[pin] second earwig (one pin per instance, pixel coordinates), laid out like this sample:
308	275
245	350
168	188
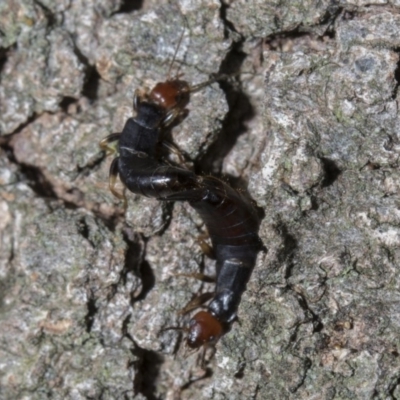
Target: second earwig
232	222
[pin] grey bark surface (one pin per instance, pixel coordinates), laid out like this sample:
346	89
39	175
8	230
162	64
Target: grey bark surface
309	128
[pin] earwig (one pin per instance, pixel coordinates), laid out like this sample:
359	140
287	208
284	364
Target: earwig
232	222
136	163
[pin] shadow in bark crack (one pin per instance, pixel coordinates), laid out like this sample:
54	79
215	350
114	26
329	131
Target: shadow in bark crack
331	170
136	264
66	102
37	181
4	56
128	6
91	85
289	246
396	77
148	369
148	281
240	111
91	312
92	77
228	25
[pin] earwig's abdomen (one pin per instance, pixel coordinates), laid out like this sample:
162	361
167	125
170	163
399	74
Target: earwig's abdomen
138	169
232	222
143	175
230	218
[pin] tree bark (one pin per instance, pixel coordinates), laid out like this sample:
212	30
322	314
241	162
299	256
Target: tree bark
306	123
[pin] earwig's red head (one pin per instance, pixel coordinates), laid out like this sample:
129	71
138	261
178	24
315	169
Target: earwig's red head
204	328
171	94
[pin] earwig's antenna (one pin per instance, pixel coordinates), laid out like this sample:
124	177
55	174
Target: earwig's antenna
215	78
172	328
176	51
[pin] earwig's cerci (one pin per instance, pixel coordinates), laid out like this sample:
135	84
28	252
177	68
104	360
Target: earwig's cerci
231	219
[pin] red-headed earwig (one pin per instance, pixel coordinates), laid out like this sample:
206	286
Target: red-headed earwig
136	163
232	222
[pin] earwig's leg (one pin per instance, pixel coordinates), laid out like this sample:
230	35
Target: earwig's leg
173	149
187	352
140	93
202	360
112	180
196	303
109	142
203	353
175	115
137	98
205	247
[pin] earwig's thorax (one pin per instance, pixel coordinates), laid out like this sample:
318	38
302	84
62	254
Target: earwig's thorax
149	115
170	94
204	329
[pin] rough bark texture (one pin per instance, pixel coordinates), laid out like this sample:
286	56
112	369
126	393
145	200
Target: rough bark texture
309	127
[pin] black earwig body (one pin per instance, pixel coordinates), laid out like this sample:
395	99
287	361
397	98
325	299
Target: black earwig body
232	222
136	163
137	166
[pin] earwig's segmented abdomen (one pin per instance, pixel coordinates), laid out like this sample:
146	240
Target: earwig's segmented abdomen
145	176
232	222
231	219
138	168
